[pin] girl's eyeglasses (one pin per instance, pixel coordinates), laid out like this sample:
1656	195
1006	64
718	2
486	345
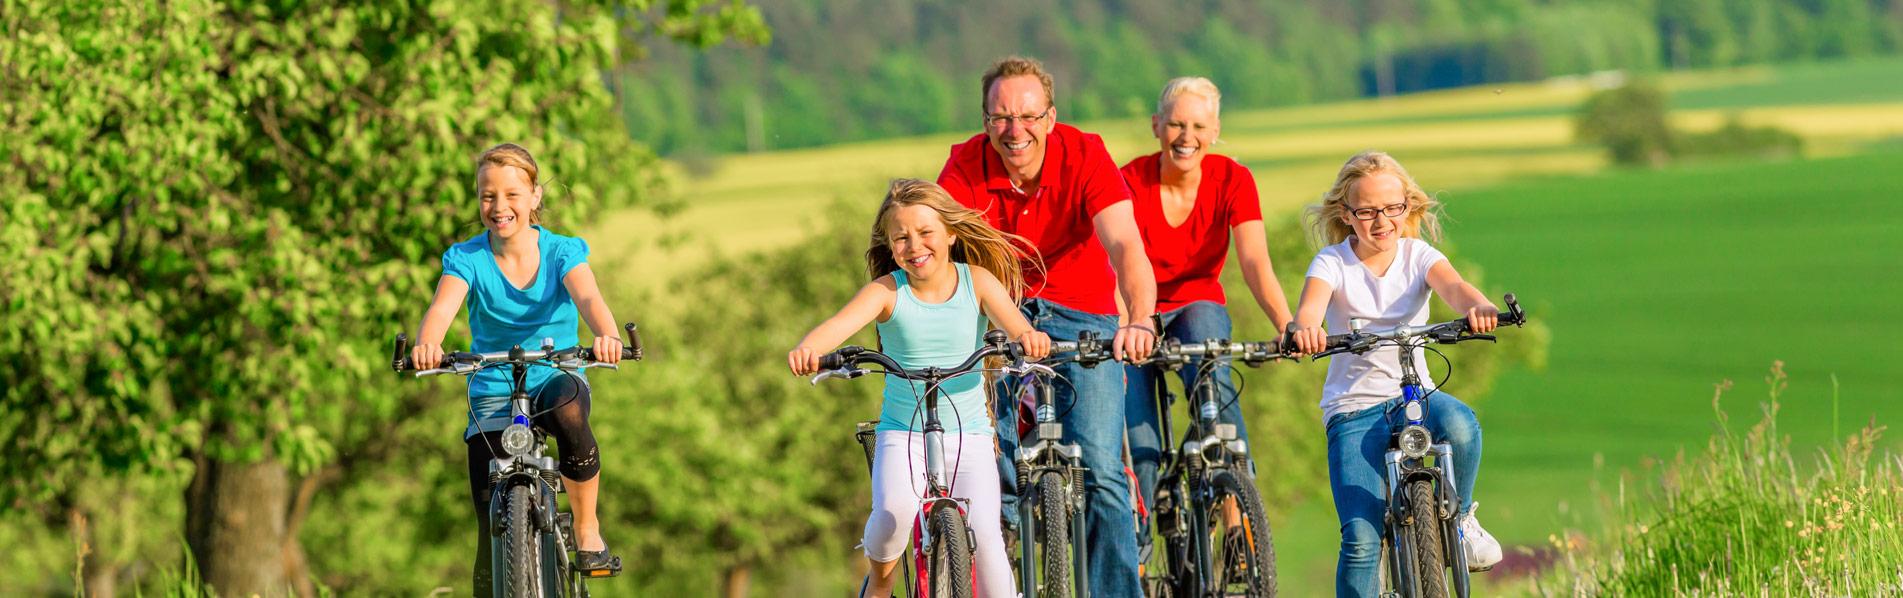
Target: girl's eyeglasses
1391	211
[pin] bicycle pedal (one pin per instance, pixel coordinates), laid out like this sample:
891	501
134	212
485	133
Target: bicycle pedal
612	570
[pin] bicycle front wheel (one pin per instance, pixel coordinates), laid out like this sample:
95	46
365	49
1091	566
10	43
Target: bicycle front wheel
1053	527
1423	529
1241	549
522	546
949	556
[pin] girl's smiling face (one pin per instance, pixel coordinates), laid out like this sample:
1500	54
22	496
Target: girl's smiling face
1376	198
918	240
509	200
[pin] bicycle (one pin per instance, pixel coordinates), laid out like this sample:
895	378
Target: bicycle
1200	480
1054	529
1420	533
534	537
943	544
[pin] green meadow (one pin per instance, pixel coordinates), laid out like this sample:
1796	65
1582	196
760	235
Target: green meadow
1655	285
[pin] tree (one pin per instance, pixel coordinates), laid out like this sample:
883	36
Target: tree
1629	121
222	210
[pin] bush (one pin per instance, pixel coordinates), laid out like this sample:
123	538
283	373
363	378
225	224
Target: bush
1735	139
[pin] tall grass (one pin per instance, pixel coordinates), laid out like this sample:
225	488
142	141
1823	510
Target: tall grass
1743	519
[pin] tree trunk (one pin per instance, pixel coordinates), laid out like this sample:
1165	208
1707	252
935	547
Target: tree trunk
739	578
234	522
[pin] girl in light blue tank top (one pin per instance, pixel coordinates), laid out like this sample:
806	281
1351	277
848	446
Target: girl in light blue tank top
938	270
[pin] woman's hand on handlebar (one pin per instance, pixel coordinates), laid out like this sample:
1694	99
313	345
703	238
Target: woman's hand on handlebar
803	360
1134	343
1036	344
1311	340
426	357
608	349
1483	318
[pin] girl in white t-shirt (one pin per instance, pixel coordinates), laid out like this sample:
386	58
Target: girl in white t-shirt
1378	268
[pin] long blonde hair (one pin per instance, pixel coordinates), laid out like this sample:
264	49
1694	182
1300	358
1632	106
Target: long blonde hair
1326	224
1002	253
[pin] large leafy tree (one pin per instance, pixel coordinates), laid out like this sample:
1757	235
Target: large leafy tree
215	209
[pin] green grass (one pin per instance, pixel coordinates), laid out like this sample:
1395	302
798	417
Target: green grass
1658	285
1846	82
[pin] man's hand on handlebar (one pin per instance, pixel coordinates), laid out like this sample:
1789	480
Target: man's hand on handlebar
1133	343
1483	318
803	360
1036	345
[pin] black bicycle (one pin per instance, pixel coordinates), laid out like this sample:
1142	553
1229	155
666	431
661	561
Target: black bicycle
531	538
1420	531
1216	539
1050	482
943	543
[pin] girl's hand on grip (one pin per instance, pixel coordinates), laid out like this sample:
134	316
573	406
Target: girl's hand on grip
426	357
1311	340
607	349
1036	344
803	361
1483	318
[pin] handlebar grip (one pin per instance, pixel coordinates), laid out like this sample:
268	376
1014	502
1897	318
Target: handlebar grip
832	361
633	348
398	360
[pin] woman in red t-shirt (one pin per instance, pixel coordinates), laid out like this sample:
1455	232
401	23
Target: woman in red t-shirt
1188	205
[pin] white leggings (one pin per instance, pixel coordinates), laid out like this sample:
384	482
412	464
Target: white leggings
898	484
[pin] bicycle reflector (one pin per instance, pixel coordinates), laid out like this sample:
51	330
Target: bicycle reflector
1414	441
516	439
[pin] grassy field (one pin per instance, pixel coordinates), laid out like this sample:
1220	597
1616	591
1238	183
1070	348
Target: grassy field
1463	138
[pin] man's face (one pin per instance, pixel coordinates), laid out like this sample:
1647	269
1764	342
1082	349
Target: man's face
1018	118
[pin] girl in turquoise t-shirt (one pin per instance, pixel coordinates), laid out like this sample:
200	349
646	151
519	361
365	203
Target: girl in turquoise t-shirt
523	284
937	271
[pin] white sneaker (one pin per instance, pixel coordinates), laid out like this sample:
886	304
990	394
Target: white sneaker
1483	552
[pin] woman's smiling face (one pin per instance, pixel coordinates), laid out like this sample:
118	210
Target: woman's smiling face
509	200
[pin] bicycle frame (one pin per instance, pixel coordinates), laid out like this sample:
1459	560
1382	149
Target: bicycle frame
1402	469
1207	444
539	471
936	492
1043	450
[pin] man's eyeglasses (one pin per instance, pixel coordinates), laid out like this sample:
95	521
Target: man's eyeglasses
1003	121
1391	211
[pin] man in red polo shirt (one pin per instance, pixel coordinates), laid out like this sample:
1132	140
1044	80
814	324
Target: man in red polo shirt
1058	188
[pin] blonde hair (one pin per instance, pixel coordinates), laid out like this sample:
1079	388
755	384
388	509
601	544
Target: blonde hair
978	244
1196	85
1326	219
509	154
1012	66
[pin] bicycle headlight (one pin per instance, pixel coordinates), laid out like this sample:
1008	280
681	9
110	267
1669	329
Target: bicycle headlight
1415	441
516	439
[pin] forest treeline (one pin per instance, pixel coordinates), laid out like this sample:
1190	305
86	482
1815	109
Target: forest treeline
842	70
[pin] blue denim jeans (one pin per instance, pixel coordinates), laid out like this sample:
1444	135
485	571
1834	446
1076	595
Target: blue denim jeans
1357	443
1091	401
1193	323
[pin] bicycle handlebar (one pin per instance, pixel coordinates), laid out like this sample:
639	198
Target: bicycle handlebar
844	362
464	362
1446	333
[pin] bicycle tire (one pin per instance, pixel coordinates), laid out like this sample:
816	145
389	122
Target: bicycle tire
1054	536
1424	527
523	551
949	556
1253	560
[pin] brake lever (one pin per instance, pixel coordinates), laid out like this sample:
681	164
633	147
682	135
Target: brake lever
847	373
1480	337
